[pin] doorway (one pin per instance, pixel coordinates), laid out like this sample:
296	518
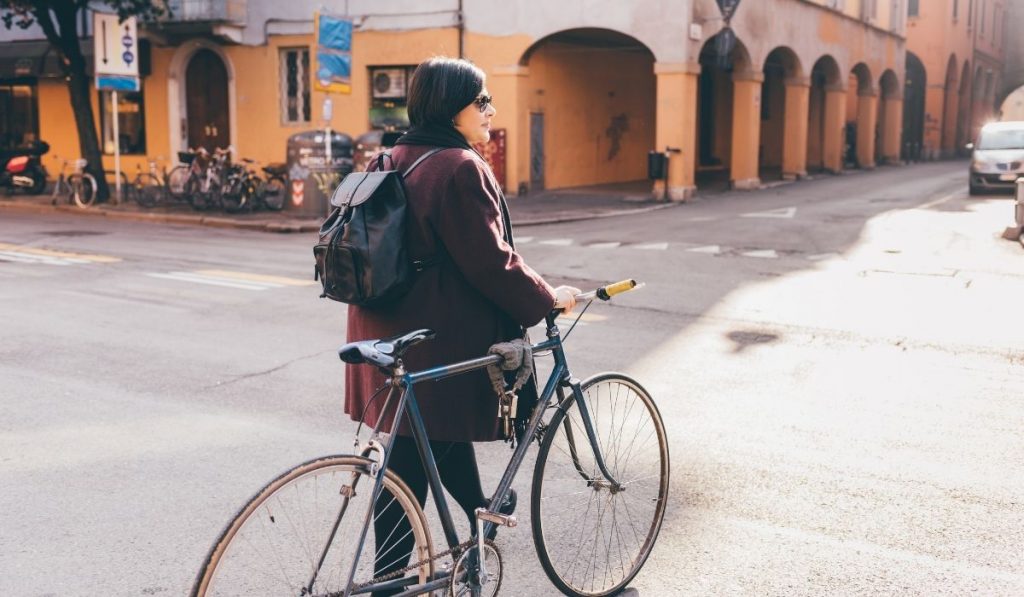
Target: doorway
206	90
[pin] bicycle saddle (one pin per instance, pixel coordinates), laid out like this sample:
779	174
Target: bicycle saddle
383	352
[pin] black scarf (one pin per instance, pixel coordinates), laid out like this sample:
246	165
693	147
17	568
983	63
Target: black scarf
436	135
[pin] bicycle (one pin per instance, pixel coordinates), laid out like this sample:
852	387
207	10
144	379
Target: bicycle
150	188
79	186
203	187
603	450
245	190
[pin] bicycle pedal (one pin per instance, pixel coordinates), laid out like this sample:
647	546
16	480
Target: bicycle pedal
505	520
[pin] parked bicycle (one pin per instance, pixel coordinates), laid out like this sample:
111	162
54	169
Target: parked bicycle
151	188
204	185
600	488
79	187
245	190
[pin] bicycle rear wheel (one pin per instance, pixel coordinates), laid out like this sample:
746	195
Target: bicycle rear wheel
82	189
274	544
176	180
591	538
147	190
273	193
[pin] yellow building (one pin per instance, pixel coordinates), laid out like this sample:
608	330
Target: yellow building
583	89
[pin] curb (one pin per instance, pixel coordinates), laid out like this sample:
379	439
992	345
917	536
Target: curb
292	226
167	218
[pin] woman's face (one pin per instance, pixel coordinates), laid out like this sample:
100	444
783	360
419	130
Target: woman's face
474	121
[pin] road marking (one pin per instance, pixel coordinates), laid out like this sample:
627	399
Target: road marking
522	240
761	254
823	256
784	213
259	278
557	242
709	249
215	281
584	320
23	254
651	247
610	245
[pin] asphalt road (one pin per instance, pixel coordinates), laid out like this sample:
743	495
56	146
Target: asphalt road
838	363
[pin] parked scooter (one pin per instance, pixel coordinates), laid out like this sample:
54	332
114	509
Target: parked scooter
23	169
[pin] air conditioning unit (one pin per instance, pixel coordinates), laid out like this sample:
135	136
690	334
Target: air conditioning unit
388	83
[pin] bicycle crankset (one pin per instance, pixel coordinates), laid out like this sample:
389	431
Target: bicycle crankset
466	566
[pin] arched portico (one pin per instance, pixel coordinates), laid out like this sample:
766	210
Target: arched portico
585	100
826	116
728	114
861	118
784	98
915	145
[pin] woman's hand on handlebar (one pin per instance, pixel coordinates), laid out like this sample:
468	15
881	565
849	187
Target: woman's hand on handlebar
565	298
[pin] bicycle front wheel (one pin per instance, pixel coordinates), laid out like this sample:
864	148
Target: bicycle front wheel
273	193
176	180
298	535
147	190
592	538
82	189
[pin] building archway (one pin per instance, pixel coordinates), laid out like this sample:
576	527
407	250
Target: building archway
826	117
717	107
589	98
861	118
203	58
951	108
914	89
783	143
890	119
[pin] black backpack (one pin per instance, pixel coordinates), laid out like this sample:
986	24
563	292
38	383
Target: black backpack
361	258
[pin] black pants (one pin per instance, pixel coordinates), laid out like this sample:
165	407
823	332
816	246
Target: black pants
456	463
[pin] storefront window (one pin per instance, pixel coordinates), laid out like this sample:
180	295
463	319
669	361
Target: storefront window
19	113
131	122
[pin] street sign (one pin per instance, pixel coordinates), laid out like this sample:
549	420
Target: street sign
115	52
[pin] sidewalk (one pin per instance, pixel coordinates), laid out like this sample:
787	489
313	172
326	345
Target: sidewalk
542	208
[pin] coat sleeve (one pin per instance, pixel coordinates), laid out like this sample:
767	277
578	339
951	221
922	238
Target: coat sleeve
469	225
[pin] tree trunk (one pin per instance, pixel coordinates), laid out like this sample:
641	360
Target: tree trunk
78	86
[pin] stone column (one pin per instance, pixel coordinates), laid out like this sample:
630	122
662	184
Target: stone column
509	84
893	131
934	114
950	122
794	142
835	127
867	122
676	126
746	130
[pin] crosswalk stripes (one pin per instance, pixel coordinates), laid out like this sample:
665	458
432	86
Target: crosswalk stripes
229	279
711	250
22	254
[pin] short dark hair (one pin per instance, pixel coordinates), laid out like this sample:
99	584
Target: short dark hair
440	88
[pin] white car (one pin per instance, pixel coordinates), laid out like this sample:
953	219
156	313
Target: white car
998	157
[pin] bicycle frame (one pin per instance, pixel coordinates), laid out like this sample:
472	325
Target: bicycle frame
402	382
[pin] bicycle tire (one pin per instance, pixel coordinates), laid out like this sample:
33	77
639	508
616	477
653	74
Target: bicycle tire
82	189
234	196
176	180
146	190
226	570
193	194
559	479
273	193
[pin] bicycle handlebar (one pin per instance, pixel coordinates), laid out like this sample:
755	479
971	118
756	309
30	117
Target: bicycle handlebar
606	292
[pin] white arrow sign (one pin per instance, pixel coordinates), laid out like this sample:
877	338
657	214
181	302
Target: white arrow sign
115	51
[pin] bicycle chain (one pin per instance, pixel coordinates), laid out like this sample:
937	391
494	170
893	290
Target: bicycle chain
401	572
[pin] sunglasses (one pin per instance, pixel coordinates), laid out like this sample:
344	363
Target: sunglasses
482	101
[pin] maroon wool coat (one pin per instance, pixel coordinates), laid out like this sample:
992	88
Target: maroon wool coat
482	293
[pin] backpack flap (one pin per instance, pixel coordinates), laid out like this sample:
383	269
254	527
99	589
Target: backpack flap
357	187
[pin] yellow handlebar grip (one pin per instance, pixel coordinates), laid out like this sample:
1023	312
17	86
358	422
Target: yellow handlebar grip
617	288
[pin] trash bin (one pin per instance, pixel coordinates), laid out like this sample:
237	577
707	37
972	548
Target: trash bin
369	143
312	177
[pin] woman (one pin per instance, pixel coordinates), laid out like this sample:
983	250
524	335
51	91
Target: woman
478	292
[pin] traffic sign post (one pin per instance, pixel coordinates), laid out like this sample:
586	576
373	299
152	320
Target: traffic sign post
115	51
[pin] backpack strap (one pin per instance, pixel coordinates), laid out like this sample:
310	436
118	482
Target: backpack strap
421	158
